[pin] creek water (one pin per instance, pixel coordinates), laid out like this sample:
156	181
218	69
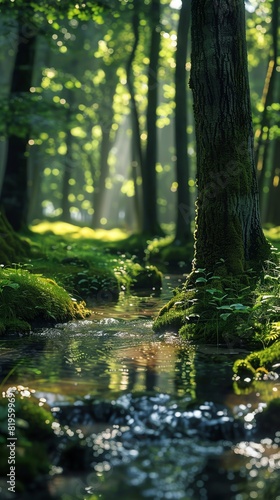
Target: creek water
142	415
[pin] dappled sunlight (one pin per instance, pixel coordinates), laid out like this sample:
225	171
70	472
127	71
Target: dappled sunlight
273	235
60	228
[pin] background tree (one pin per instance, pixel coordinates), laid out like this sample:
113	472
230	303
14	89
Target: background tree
267	131
149	179
14	197
183	223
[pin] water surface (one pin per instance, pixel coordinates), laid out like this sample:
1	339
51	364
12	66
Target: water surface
156	416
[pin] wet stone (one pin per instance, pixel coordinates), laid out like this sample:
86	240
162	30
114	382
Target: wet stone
157	417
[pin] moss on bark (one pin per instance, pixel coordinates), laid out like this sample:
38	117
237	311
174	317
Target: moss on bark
12	247
229	241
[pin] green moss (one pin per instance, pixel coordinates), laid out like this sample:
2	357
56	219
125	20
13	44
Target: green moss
265	358
26	298
173	315
259	362
225	308
148	277
243	369
12	247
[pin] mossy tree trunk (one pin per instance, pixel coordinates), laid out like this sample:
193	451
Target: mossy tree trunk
228	221
229	241
12	248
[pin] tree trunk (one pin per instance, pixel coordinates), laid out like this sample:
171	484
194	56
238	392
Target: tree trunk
149	181
67	174
273	206
268	98
228	228
14	195
137	154
68	165
183	223
100	187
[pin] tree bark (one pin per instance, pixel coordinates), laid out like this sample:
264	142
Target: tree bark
14	195
99	191
137	153
183	223
228	228
149	181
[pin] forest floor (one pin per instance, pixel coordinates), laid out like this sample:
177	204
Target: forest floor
57	270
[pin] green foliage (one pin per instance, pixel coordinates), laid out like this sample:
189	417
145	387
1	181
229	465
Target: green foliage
88	265
218	309
264	359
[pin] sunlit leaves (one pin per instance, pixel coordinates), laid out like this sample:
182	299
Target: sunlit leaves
78	132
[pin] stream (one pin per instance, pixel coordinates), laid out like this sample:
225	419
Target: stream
140	415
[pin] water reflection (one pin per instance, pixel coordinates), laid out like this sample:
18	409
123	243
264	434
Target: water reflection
104	358
122	396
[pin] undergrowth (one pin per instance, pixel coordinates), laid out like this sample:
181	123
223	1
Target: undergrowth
218	311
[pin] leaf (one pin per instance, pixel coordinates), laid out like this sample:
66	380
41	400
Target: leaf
213	290
265	298
227	308
240	307
201	280
225	316
13	285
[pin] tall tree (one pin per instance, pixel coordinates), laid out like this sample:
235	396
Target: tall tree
14	195
137	162
229	241
149	180
183	223
228	221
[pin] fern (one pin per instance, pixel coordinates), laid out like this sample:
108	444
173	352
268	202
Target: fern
273	336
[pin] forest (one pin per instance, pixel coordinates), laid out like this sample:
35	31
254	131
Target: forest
139	249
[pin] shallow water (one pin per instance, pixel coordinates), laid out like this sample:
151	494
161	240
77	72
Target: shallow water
152	416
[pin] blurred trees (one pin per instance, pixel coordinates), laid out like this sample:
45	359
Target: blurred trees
100	131
268	131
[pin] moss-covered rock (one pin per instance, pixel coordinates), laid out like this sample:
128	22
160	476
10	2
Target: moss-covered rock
148	277
258	363
26	298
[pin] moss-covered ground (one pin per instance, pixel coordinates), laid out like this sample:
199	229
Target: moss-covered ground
55	270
